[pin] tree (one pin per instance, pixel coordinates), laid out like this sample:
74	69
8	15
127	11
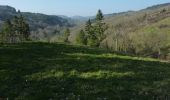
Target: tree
15	30
23	27
15	25
99	15
93	41
88	27
81	38
95	32
91	36
47	37
26	31
99	27
66	35
7	33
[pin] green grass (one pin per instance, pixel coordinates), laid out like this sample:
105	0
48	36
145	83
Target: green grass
42	71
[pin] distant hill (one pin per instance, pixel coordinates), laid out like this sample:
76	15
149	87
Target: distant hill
35	20
81	18
49	24
7	12
128	18
158	6
38	20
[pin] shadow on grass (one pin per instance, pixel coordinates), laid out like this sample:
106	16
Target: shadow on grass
44	71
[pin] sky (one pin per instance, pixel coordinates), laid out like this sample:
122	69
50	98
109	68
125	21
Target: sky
79	7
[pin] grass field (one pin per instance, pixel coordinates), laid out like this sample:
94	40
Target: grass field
42	71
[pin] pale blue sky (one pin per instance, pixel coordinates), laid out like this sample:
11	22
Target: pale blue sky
79	7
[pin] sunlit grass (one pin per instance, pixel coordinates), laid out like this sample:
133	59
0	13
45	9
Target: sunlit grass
42	71
84	75
112	55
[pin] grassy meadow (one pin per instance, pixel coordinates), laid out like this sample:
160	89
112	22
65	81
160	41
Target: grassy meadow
42	71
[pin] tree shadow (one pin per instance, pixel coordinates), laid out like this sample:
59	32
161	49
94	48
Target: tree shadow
32	71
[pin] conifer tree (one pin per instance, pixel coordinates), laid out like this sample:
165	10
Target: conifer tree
15	30
99	15
15	24
88	27
7	33
91	37
81	38
66	35
26	31
99	27
95	31
21	28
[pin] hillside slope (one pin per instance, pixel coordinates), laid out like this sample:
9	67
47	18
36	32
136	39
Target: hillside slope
141	33
130	20
35	20
161	27
42	71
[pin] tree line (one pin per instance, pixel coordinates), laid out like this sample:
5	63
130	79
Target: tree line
133	36
15	30
94	32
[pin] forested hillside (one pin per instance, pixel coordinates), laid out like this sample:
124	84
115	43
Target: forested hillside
40	24
141	33
131	32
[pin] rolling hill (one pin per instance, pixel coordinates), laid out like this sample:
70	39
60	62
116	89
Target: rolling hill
144	32
132	20
40	23
35	20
